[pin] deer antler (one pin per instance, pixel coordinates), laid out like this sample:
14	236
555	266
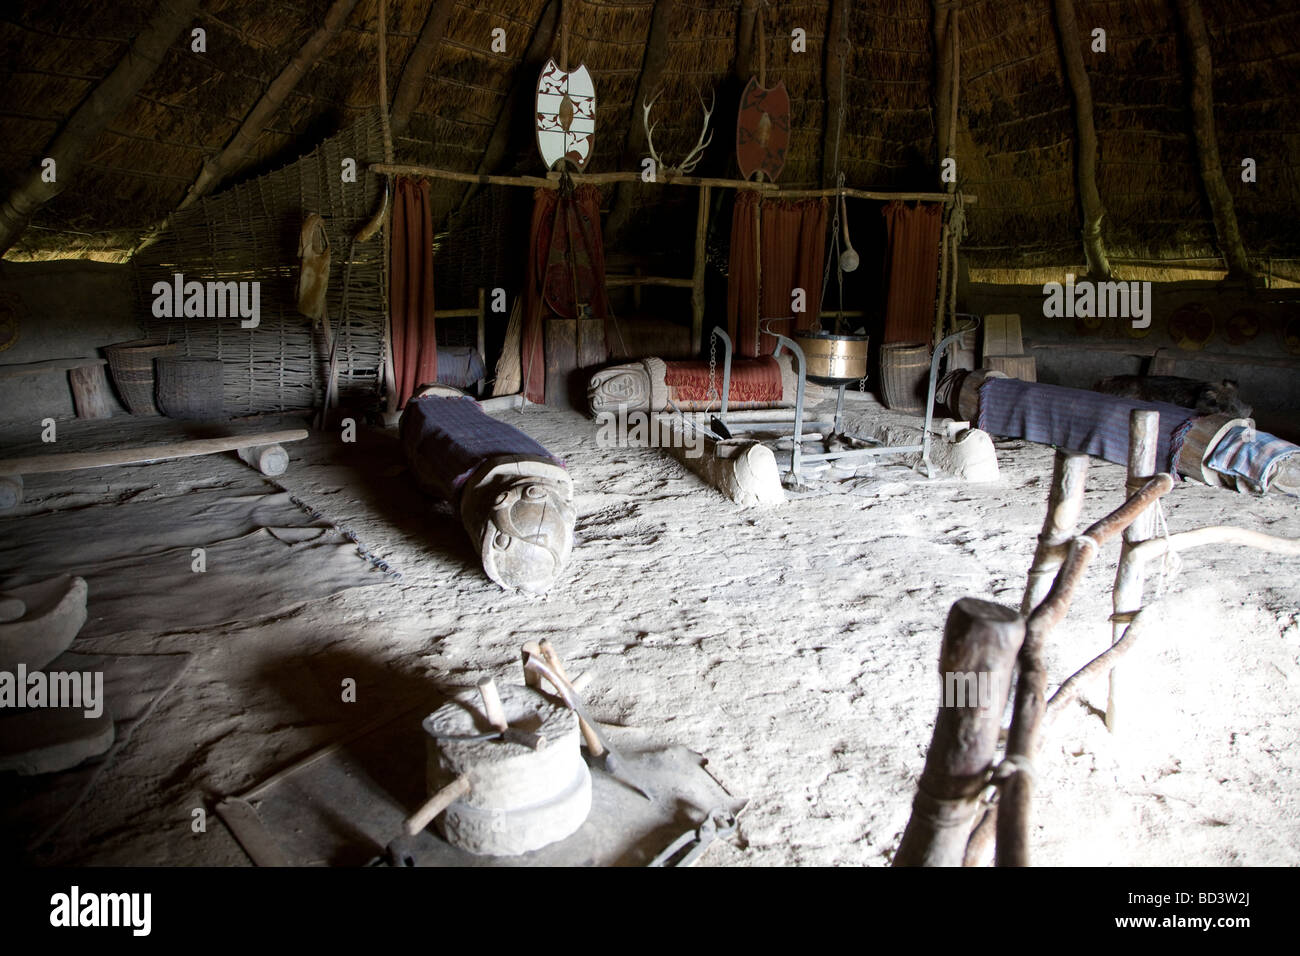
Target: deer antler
696	154
650	127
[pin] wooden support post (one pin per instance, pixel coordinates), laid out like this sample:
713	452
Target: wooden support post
90	392
1085	155
241	144
89	120
1064	503
1197	42
697	276
418	63
1143	434
980	640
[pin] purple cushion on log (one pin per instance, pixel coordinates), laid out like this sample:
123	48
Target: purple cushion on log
1077	419
445	439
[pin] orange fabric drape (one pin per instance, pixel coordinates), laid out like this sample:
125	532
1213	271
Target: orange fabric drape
794	247
410	295
911	270
560	228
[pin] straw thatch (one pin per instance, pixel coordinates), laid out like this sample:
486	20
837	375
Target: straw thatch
1015	142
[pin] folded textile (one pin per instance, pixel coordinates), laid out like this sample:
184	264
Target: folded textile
459	366
1251	455
446	439
1077	419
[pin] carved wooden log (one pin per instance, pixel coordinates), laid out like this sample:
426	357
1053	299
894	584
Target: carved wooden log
744	471
619	386
90	392
1064	502
979	638
1144	433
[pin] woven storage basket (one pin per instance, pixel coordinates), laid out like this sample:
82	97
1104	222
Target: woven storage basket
904	375
132	366
189	388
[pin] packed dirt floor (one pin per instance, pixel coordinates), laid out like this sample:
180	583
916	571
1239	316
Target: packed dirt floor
795	647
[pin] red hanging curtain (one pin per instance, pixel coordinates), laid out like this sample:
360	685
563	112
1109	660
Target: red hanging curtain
410	293
794	247
912	270
566	269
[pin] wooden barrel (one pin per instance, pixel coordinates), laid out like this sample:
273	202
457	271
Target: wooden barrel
1199	444
190	388
133	373
905	375
968	396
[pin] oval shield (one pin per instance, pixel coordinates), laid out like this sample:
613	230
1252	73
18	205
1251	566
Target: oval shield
762	129
566	115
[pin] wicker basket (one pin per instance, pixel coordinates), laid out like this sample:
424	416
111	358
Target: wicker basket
132	366
904	375
190	388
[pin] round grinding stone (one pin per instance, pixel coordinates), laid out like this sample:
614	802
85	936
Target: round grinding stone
520	799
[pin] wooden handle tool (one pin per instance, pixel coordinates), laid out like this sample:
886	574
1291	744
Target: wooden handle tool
440	801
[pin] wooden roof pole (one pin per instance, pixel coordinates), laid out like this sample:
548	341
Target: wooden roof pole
416	70
1085	158
942	78
1200	68
241	144
837	43
522	91
90	118
634	144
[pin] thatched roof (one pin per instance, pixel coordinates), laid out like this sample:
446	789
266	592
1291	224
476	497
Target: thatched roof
1015	142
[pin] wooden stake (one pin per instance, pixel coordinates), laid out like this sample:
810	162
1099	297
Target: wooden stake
1143	434
1085	160
979	638
1031	688
109	98
1064	503
1197	40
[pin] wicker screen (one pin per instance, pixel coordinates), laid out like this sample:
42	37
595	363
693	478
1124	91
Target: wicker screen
250	233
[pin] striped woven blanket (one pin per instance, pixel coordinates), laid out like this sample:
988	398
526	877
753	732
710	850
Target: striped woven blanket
1251	455
1077	419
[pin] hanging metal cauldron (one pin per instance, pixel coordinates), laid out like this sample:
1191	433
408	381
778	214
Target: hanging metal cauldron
833	359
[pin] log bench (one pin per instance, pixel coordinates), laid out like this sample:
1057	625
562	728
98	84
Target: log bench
90	392
261	449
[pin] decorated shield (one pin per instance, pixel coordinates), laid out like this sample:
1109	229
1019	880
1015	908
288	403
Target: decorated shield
763	129
566	115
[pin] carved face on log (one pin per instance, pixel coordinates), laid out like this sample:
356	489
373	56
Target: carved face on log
620	386
528	535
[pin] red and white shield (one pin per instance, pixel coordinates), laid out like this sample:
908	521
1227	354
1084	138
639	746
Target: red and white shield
763	129
566	115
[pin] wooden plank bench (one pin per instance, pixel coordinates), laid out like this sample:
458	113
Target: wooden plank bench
90	392
262	450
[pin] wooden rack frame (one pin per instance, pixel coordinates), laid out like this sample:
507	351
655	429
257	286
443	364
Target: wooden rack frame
705	184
